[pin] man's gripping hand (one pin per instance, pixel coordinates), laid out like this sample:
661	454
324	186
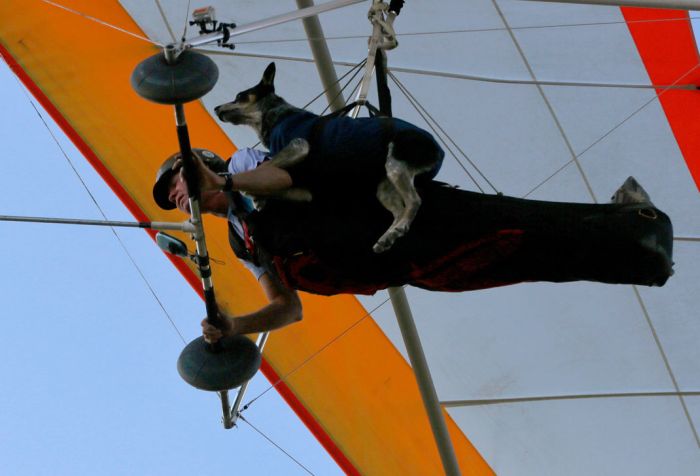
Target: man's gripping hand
208	179
213	334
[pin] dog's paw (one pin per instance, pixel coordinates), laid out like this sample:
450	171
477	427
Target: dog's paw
300	146
380	247
389	238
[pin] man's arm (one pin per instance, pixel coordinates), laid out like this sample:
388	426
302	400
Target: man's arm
284	308
266	179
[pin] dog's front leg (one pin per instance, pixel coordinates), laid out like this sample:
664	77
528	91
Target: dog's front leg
293	153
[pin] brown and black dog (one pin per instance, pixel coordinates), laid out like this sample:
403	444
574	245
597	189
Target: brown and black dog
385	153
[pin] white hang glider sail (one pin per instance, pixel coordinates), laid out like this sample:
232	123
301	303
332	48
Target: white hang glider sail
539	100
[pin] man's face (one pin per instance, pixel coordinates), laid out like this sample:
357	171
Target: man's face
178	194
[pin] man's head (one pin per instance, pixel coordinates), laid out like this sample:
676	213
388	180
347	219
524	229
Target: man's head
164	192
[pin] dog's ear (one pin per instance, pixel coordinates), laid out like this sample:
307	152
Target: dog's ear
268	77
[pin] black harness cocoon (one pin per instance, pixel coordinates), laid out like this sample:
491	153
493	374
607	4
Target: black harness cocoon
461	241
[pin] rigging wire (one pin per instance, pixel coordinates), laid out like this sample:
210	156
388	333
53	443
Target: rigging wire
275	444
423	113
440	138
187	14
470	30
667	363
101	22
466	77
94	200
357	68
342	89
315	354
687	238
613	129
546	100
545	398
165	21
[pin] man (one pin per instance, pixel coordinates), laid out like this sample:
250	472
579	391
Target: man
459	241
246	171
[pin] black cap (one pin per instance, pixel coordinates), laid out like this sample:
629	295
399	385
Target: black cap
165	173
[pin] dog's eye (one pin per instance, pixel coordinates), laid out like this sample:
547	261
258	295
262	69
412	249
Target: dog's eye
240	97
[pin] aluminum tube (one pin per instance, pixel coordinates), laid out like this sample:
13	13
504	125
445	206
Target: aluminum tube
233	413
687	238
192	178
72	221
185	226
225	405
425	381
272	21
201	246
672	4
369	70
322	57
369	66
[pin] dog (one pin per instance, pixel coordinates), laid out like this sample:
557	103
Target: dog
386	154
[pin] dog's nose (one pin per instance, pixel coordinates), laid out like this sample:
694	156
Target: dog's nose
216	109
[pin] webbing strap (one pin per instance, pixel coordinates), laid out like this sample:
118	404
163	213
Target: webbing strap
373	111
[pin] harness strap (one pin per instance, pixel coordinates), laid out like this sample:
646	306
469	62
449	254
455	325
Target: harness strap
247	239
373	111
243	247
317	129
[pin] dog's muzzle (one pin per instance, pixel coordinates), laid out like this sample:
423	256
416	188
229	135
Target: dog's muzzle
219	112
227	113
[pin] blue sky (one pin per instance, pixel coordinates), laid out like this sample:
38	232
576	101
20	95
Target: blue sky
87	354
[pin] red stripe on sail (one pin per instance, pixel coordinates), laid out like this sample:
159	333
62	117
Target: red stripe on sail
669	53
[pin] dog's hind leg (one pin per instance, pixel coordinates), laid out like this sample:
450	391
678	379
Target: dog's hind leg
389	197
403	201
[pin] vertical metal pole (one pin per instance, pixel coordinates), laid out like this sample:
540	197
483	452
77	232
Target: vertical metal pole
226	409
424	379
192	178
403	311
322	56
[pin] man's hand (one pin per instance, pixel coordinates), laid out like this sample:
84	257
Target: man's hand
208	179
213	334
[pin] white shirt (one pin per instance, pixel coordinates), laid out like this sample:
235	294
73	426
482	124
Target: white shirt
243	160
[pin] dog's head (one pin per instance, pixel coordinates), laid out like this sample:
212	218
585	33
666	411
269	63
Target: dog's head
247	108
